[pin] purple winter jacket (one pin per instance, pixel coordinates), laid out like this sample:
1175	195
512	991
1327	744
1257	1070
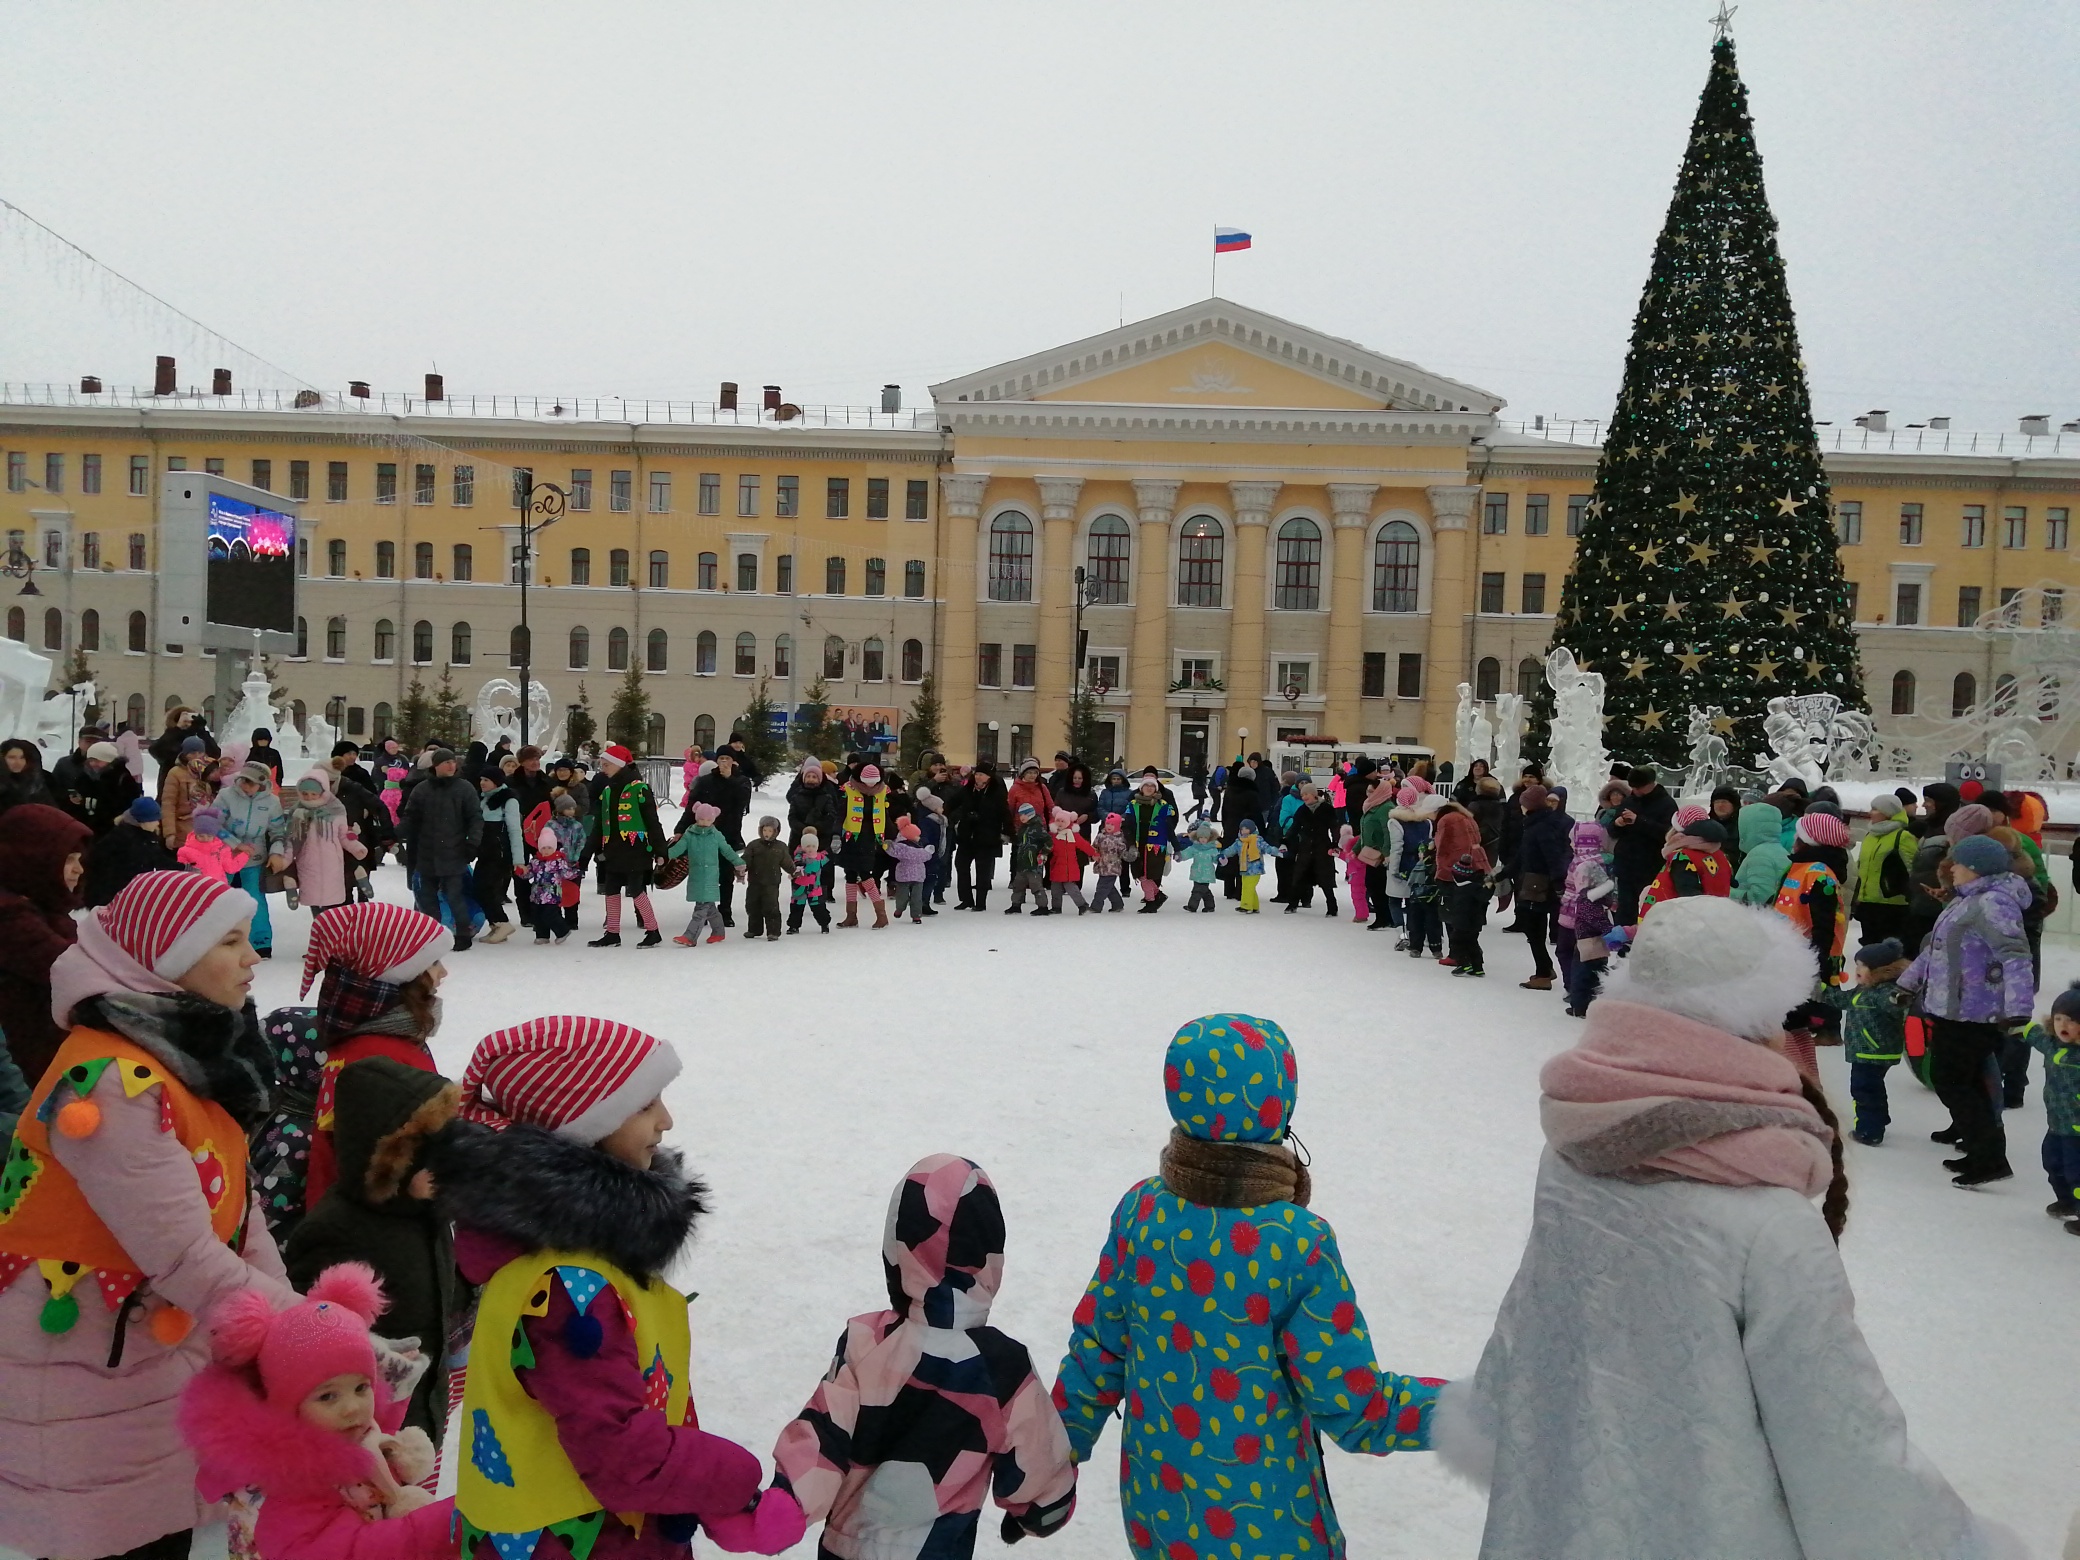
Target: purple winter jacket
1974	966
911	860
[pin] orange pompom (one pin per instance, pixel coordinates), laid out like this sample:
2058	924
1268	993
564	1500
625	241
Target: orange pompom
170	1325
80	1118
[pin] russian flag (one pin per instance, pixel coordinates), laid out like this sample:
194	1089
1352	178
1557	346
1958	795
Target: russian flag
1227	240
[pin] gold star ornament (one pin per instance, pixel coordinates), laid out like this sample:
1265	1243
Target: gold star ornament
1723	724
1618	609
1671	609
1790	504
1685	504
1649	554
1759	552
1690	661
1734	607
1765	669
1790	615
1650	719
1636	668
1702	552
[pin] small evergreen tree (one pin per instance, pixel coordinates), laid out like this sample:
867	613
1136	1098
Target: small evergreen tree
580	726
414	716
755	726
1083	726
450	721
813	733
628	720
921	731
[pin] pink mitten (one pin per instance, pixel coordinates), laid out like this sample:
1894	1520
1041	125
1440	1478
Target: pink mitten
774	1525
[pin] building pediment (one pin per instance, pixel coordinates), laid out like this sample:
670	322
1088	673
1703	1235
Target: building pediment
1219	354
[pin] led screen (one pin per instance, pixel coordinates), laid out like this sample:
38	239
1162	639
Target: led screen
252	566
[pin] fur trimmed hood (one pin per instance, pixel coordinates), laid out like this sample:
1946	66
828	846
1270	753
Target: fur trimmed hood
385	1116
239	1440
543	1191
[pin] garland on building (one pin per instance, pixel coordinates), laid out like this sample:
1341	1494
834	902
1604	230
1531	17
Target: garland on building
1707	572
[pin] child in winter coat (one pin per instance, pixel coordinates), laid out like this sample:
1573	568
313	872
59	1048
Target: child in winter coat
767	864
1693	862
1811	895
1764	860
930	813
1461	865
205	849
1202	858
553	885
1874	1033
1248	851
810	863
1112	850
128	850
1030	851
975	1420
1353	871
321	843
1066	848
300	1403
913	860
1585	915
1222	1327
704	850
2059	1040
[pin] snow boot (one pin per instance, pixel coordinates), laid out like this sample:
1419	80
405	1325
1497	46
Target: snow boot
653	937
715	937
1537	983
851	913
499	933
1976	1178
880	914
610	940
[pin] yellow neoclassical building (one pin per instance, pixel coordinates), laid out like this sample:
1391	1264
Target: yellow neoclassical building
1278	532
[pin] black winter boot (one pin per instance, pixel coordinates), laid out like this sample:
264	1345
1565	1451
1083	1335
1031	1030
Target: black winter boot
611	940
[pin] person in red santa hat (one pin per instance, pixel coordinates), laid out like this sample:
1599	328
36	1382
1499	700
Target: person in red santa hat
629	843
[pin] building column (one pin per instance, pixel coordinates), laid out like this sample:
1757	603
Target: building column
1056	678
1351	504
1444	667
1244	673
1148	722
960	508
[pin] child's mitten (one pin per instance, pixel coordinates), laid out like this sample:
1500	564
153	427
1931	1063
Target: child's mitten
771	1526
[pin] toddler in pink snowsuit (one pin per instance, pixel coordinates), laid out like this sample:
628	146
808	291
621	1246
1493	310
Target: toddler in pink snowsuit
206	851
1353	871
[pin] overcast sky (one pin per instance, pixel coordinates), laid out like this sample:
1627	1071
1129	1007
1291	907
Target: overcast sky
644	199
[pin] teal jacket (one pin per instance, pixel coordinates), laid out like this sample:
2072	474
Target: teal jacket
1204	858
2061	1078
1874	1018
1764	861
705	850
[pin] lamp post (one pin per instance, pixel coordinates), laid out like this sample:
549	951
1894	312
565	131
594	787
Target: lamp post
547	500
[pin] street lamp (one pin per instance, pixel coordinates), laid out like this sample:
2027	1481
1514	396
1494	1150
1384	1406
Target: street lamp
547	500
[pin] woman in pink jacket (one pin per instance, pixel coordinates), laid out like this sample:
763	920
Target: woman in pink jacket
320	843
124	1213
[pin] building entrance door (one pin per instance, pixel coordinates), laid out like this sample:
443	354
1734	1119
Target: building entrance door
1192	745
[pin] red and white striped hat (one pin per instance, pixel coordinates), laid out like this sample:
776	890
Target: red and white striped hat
1818	828
577	1077
146	938
377	941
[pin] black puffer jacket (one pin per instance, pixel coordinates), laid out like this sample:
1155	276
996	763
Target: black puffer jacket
442	826
730	796
1311	832
980	815
813	807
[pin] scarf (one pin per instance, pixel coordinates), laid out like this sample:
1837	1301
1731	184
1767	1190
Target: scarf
355	1004
325	817
1233	1175
1651	1096
216	1053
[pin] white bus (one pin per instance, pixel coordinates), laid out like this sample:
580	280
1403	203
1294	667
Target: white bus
1318	760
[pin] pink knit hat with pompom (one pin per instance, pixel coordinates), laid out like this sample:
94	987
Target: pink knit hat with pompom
300	1349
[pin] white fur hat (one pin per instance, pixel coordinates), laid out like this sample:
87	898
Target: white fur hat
1733	966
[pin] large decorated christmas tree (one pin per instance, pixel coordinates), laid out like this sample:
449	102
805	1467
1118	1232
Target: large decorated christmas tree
1707	572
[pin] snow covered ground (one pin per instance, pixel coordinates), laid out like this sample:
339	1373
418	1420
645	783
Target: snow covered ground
819	1068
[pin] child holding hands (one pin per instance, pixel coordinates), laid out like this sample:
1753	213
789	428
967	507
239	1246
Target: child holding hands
704	850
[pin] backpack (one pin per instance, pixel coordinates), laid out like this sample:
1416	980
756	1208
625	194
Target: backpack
1894	871
279	1148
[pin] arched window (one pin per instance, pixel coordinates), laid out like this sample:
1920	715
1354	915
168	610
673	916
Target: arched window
518	646
834	576
303	639
871	655
580	649
1297	586
18	625
385	719
1487	678
422	560
1902	692
617	568
705	569
1106	557
336	639
657	646
90	630
661	570
747	574
1011	557
746	664
617	650
703	652
133	712
581	565
2004	694
459	645
140	634
1964	693
386	640
1531	672
422	643
783	656
173	702
53	629
833	656
704	732
913	660
1397	565
1201	550
386	560
877	576
653	734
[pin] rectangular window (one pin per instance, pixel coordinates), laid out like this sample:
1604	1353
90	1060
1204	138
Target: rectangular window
424	480
336	558
1023	660
53	473
523	486
17	471
877	498
176	463
137	553
463	487
386	481
1848	522
706	568
90	550
1373	681
1967	605
90	473
1495	515
1102	671
263	475
834	576
617	572
2055	527
711	492
661	570
299	479
2015	526
336	639
1910	525
581	565
1195	671
1974	525
787	497
336	481
1534	593
1408	677
989	665
141	475
917	499
1577	512
464	564
1852	600
422	560
2054	607
837	498
913	579
783	574
877	576
621	491
747	573
1491	592
1292	677
213	466
1537	512
386	560
747	495
661	493
1908	606
2010	613
581	488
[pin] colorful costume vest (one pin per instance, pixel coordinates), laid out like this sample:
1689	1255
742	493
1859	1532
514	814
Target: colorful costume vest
516	1482
1794	902
856	813
46	1221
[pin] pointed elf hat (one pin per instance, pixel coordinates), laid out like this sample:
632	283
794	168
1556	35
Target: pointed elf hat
579	1078
377	941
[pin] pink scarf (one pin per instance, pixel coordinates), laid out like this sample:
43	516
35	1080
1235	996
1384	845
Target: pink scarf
1651	1096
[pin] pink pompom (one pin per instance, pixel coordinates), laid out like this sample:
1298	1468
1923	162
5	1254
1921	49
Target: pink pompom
238	1327
352	1285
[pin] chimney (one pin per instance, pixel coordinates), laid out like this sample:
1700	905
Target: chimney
162	377
89	384
1939	424
1873	421
2037	422
436	388
891	398
772	400
728	399
358	388
220	381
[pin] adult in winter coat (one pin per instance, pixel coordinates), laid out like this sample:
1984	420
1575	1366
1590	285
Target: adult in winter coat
181	724
1151	823
255	824
866	824
1693	862
1674	1239
22	779
1310	838
1942	803
1112	796
578	1402
1764	860
1376	848
1029	790
1480	793
322	844
128	1215
727	789
182	789
980	817
1637	835
40	869
1269	788
95	786
1221	1326
380	1210
1545	851
501	853
627	841
380	996
1076	794
129	850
